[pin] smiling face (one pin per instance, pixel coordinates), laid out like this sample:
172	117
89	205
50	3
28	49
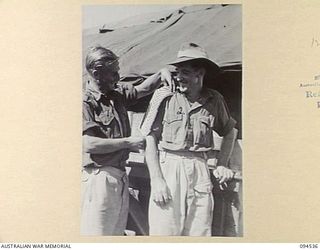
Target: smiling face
106	75
190	78
103	67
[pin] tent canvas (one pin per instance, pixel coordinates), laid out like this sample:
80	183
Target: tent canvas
147	46
144	45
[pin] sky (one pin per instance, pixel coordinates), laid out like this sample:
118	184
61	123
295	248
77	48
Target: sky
96	15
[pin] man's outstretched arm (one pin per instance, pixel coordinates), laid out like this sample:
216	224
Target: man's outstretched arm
97	145
153	82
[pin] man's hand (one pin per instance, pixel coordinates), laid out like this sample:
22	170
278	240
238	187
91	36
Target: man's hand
129	90
223	174
167	78
137	142
160	192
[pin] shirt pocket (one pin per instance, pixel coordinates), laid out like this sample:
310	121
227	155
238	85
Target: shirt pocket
172	127
105	117
203	131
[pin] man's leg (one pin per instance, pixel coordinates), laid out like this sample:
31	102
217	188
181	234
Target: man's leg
170	219
124	208
200	203
102	200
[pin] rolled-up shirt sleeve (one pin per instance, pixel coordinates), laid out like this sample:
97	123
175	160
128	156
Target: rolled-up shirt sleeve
157	125
223	123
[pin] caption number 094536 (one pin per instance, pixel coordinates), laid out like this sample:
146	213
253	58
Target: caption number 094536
308	246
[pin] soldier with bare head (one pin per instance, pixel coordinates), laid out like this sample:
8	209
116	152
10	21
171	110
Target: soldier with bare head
107	143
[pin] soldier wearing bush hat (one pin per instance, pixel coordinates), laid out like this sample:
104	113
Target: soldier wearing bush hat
179	129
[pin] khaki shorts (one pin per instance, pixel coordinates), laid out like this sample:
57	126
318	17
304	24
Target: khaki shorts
104	201
190	210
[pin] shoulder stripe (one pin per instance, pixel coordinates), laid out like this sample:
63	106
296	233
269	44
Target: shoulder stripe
151	114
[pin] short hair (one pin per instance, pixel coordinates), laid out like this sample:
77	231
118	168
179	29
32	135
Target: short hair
98	54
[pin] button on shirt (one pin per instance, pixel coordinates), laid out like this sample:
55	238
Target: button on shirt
105	116
181	126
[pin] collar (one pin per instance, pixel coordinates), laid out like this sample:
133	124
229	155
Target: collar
94	92
205	95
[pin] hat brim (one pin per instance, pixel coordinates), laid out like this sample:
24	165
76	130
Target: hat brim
211	67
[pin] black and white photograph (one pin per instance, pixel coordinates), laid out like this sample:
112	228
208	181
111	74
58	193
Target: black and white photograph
162	120
146	122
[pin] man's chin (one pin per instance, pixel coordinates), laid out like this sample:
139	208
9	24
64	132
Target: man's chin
109	89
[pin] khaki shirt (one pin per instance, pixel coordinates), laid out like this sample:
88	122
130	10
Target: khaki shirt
105	117
181	126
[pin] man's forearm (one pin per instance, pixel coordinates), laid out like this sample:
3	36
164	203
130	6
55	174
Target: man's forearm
152	157
96	145
227	148
149	85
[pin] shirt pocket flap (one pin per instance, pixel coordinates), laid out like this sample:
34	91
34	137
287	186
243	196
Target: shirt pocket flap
173	118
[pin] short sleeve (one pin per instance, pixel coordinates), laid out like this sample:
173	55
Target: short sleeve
157	124
223	122
88	122
152	120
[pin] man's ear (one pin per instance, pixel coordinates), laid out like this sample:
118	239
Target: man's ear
201	72
95	74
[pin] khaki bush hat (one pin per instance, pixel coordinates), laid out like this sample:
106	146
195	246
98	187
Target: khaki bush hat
193	52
